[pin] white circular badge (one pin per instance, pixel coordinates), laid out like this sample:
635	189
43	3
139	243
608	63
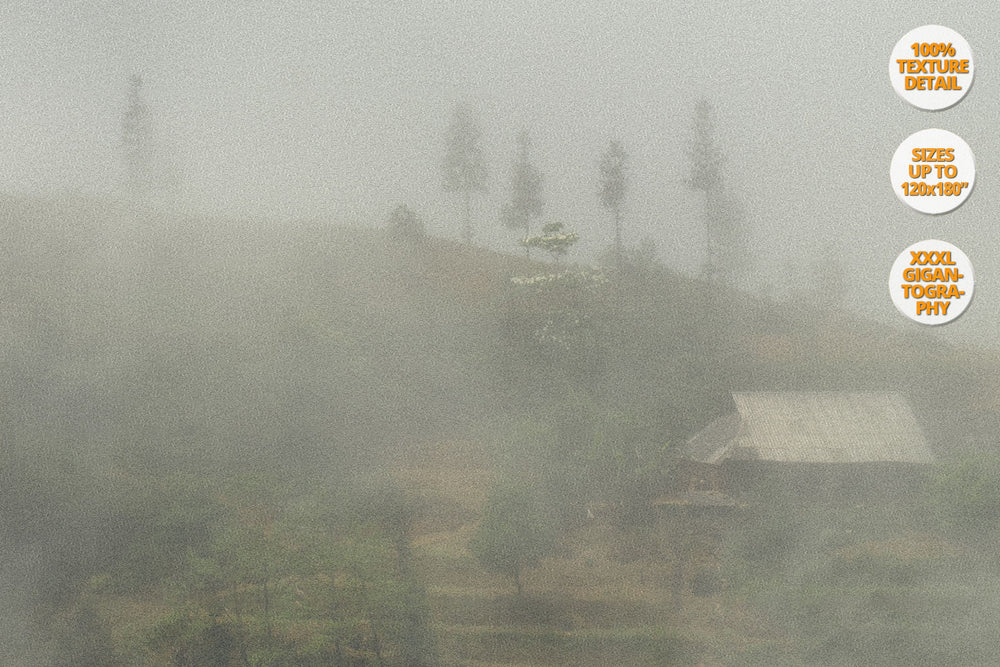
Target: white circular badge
931	282
931	67
933	171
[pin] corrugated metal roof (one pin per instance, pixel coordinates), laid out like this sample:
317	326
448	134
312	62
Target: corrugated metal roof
707	445
814	427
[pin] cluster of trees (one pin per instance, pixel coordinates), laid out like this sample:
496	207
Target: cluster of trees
595	361
249	573
596	365
465	172
125	487
312	371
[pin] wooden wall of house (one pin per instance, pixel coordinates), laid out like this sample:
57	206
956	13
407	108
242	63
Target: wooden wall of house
834	483
688	476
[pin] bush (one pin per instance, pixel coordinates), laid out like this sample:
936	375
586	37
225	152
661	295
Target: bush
515	533
405	224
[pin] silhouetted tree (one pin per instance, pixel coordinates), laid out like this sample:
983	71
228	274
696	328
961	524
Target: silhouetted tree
614	183
724	235
513	534
526	202
464	165
706	157
136	147
150	169
405	224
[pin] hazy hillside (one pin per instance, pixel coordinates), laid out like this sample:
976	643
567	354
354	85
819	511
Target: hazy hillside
167	378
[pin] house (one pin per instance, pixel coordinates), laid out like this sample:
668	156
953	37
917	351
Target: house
841	446
786	449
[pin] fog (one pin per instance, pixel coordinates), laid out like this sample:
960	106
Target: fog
338	109
251	313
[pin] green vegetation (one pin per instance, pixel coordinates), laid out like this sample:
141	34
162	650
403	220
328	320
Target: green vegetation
515	532
227	443
966	497
552	240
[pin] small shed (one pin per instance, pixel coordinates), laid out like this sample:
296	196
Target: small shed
850	442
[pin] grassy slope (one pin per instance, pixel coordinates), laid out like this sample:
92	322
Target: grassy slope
140	341
198	320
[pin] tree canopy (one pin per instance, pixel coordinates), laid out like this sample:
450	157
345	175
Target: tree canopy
464	164
613	184
514	533
725	238
553	240
526	203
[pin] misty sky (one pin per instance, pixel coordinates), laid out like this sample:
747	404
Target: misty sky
338	109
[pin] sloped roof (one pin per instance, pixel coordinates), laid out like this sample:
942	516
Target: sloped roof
813	427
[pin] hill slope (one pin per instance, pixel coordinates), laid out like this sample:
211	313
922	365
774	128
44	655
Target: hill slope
144	347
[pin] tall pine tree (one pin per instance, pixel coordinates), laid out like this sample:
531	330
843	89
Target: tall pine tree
136	146
614	183
464	164
725	240
526	203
